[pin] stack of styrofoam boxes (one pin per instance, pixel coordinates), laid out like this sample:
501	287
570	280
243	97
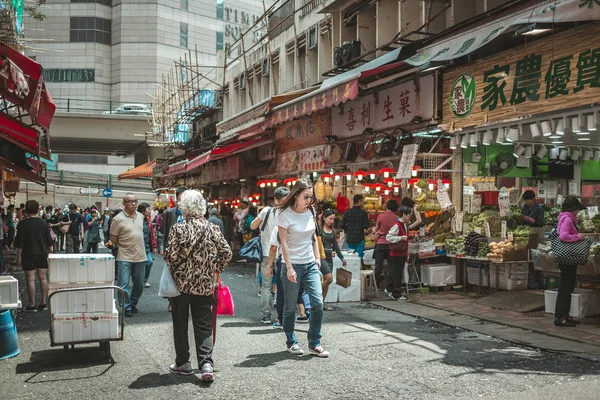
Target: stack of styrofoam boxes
473	271
584	302
438	274
82	315
511	276
9	293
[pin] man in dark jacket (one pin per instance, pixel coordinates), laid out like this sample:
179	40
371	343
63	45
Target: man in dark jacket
354	222
171	216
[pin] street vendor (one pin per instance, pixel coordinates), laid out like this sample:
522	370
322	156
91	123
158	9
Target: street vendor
533	213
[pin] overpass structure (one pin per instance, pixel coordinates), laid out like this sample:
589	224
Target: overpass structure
101	134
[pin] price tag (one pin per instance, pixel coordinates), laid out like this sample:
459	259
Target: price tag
510	236
475	206
478	230
573	188
469	190
458	222
421	232
551	190
503	229
542	190
514	195
504	205
592	211
559	200
487	230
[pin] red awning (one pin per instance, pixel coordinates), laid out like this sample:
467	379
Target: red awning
142	171
318	100
198	161
22	83
19	133
32	175
179	168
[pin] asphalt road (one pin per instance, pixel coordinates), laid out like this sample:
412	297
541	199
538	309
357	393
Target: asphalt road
375	354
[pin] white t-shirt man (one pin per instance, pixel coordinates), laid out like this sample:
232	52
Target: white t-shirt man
240	215
265	235
274	240
300	228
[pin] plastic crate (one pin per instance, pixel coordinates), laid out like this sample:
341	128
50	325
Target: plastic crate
88	301
473	276
438	274
9	292
512	276
79	327
81	268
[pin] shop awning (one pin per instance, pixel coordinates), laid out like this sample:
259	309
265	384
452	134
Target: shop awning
30	175
225	151
18	133
254	117
22	84
177	168
336	90
142	171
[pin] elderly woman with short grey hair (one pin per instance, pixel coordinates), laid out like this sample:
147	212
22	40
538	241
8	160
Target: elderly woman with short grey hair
197	253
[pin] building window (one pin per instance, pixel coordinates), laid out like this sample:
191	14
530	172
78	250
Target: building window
183	4
220	41
183	34
69	75
220	9
103	2
90	30
80	159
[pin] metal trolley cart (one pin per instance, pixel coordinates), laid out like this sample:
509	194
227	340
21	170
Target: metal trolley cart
104	342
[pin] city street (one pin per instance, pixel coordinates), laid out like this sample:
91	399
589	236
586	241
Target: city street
375	353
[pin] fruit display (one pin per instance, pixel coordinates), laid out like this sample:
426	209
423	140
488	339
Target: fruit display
158	204
472	243
422	184
505	250
521	235
586	224
456	246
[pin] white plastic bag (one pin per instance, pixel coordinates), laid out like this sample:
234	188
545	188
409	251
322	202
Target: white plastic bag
168	287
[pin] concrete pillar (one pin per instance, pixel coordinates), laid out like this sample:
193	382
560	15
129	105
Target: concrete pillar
367	30
387	22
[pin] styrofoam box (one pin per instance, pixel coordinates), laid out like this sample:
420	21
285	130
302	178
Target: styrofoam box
438	274
584	302
9	292
332	294
78	327
351	293
85	301
81	268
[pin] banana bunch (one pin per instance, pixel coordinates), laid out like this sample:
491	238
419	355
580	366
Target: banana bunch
422	184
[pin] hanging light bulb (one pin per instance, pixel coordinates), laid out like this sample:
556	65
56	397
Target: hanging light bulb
473	140
389	181
541	152
487	137
447	185
372	174
315	174
360	175
386	192
396	189
431	186
587	155
546	128
453	143
592	123
553	153
464	142
575	153
337	176
519	150
597	155
528	151
563	154
513	135
367	188
560	127
348	176
386	172
262	184
268	183
501	135
535	130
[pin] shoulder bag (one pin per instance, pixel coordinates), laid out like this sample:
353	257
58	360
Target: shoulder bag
319	236
402	245
570	253
252	249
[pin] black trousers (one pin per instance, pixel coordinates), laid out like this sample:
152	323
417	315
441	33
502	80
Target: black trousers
568	279
201	307
382	253
396	268
280	294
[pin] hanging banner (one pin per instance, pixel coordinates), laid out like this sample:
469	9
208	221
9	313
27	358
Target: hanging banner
305	160
312	102
221	170
552	73
391	107
302	133
546	12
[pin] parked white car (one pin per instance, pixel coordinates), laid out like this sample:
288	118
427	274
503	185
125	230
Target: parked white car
133	109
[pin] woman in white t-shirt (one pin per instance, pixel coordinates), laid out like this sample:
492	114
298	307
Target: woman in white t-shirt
301	263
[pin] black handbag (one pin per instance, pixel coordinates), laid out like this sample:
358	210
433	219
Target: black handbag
252	249
570	253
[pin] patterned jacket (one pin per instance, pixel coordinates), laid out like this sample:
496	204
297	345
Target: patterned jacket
196	250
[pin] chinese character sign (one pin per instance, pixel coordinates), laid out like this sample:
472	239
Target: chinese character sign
532	79
303	132
391	107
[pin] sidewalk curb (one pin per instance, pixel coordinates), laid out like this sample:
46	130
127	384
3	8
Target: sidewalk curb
592	355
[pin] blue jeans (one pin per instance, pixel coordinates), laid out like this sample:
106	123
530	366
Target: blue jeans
307	276
358	248
135	272
149	264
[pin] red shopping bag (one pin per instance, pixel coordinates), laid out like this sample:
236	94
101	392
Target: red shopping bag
225	305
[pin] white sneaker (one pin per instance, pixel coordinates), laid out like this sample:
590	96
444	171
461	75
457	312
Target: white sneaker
402	298
295	349
319	352
185	369
147	284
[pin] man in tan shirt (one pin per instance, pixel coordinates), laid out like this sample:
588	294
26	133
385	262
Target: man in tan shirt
127	232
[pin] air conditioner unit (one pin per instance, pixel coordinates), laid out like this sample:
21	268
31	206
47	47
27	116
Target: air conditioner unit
266	67
242	81
350	51
312	37
337	56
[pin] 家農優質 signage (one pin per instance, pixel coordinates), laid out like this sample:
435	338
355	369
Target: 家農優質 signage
561	71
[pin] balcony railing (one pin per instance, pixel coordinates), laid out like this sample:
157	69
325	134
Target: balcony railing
308	6
281	19
91	106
